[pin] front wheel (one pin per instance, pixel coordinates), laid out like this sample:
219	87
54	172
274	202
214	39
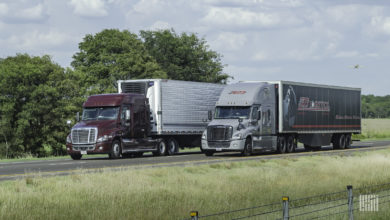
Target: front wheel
115	150
76	156
248	148
208	153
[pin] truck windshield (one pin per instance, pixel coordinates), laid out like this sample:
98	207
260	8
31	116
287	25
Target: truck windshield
226	112
100	113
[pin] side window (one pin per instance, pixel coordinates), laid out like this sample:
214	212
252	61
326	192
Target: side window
123	113
254	112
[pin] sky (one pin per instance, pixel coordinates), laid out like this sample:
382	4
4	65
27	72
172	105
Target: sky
314	41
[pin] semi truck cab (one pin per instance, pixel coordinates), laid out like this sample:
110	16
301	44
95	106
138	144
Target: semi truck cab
112	124
244	120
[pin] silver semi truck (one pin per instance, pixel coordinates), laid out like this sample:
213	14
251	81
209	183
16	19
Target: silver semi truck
276	115
178	109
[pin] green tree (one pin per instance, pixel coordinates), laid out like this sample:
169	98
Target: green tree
111	55
37	96
184	56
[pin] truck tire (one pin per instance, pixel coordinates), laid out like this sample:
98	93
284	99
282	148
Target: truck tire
247	148
339	142
172	146
208	153
161	149
290	144
348	141
281	145
76	156
115	150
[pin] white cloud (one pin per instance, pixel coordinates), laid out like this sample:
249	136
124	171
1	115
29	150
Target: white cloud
381	24
229	41
149	6
260	56
347	54
36	40
160	25
89	8
34	13
238	17
3	9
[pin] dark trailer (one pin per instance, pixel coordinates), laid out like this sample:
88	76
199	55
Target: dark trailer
319	114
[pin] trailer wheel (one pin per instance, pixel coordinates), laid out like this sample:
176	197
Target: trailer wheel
342	141
281	145
161	149
115	150
290	144
247	148
348	141
173	146
76	156
339	142
208	153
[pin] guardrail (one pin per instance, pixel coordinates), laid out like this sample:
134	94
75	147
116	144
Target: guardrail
341	204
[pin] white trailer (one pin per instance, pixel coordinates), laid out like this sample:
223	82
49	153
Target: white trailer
178	109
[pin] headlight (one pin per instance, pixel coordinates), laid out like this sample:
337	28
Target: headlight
204	135
102	139
237	136
69	139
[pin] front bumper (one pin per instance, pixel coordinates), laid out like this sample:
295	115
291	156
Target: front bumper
98	148
221	146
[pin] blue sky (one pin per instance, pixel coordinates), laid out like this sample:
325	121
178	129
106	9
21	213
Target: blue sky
316	41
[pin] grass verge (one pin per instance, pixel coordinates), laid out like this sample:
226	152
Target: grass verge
171	193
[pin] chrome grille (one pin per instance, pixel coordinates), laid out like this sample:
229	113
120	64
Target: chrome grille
84	135
219	144
219	133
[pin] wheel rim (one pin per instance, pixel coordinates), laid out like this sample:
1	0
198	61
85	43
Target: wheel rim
342	141
283	146
172	146
161	147
290	145
116	149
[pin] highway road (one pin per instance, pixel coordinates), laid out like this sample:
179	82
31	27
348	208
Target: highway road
15	170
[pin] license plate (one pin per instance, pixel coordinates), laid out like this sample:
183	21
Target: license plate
83	152
218	149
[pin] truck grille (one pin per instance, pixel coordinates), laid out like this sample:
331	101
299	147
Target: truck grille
84	135
219	144
219	133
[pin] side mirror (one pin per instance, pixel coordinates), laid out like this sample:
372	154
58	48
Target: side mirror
210	115
78	116
240	120
258	115
128	115
69	123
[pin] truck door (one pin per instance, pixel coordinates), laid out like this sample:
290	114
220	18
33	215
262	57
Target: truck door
125	128
264	130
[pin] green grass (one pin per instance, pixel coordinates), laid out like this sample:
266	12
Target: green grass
375	129
171	193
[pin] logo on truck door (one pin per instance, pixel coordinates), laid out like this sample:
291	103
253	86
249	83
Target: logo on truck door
237	92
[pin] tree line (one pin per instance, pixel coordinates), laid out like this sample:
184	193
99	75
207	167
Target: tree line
38	96
375	106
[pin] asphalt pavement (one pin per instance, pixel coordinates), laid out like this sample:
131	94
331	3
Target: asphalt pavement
23	169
